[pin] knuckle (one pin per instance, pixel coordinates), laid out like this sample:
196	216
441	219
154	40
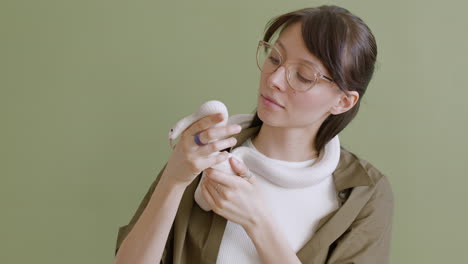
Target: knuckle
218	145
210	134
194	166
222	204
236	185
213	147
222	156
228	195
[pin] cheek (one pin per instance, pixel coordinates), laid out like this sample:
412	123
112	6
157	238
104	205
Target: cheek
311	105
311	101
263	80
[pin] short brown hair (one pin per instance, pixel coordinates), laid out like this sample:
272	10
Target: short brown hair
347	49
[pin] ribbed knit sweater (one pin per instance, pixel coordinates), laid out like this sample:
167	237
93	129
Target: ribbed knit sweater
298	195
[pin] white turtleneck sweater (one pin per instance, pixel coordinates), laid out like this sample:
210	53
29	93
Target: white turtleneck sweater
298	194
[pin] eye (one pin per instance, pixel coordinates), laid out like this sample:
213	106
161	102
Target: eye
273	60
302	79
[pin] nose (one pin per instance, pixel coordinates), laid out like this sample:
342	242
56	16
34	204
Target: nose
278	78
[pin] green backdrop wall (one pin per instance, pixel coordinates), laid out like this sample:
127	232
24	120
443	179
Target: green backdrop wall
89	90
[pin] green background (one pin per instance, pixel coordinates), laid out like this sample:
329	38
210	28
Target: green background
89	90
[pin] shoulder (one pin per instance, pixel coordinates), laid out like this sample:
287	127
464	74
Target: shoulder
383	187
380	186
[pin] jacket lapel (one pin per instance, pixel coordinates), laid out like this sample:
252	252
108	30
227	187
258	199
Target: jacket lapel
348	174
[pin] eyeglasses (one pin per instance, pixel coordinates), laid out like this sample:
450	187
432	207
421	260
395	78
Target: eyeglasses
300	76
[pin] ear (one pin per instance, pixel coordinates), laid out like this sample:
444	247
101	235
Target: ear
344	102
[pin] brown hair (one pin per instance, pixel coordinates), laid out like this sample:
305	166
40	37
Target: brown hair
345	46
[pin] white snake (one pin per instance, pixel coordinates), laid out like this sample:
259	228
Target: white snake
209	108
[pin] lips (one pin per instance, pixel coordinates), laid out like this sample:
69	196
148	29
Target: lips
272	100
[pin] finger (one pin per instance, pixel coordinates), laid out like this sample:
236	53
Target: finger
239	167
204	123
209	194
219	196
219	177
216	146
212	160
216	192
219	132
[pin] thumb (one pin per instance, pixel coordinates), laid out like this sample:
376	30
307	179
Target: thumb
239	167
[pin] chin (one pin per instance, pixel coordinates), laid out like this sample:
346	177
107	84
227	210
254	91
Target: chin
268	118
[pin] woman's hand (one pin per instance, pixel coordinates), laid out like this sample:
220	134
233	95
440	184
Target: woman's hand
187	160
236	198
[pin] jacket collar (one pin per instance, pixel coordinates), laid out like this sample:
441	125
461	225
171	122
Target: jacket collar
349	172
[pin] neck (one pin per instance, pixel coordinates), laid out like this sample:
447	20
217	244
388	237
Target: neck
288	144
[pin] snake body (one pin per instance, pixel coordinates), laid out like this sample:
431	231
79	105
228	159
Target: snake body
209	108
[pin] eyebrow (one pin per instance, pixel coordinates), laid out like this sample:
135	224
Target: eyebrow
304	60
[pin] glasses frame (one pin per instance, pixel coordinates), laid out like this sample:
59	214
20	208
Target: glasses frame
319	74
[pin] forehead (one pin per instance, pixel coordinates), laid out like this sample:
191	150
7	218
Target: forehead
291	45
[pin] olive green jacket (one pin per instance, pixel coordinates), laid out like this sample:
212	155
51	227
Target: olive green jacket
359	231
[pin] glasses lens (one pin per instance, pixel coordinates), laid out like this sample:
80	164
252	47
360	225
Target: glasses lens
302	77
268	58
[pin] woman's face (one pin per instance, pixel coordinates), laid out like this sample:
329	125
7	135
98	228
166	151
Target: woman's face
300	109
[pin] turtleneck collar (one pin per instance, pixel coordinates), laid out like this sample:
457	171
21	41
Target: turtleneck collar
348	173
289	174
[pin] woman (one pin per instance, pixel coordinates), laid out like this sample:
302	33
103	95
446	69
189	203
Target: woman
313	201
